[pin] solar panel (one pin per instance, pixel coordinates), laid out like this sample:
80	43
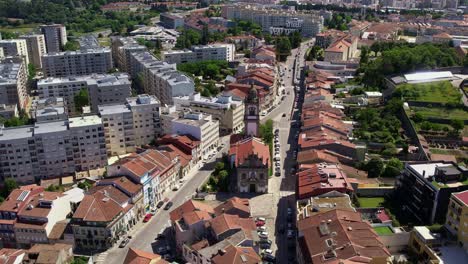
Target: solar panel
22	196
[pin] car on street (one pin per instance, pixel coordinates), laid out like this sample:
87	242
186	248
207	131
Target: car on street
124	242
263	234
268	257
264	245
153	211
278	173
267	251
265	241
260	219
262	229
168	205
163	250
260	223
175	188
160	204
291	234
281	229
290	211
147	218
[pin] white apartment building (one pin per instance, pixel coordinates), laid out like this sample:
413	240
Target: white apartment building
13	81
103	89
220	51
160	78
15	47
36	48
225	109
311	22
50	109
52	149
55	37
132	124
198	125
82	62
122	48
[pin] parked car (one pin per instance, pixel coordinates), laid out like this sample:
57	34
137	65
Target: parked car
267	251
147	218
124	242
263	234
175	188
168	205
290	211
264	245
162	250
160	204
153	211
261	228
291	234
281	229
269	258
265	241
260	219
260	223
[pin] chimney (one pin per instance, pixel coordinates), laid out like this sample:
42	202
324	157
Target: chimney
424	173
221	252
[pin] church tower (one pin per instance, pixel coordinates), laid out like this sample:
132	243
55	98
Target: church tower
251	116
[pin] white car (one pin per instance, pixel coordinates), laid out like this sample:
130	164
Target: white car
263	234
268	251
261	219
262	229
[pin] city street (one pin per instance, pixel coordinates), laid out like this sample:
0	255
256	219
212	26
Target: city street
144	234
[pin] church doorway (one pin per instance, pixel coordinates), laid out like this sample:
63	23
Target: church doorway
252	188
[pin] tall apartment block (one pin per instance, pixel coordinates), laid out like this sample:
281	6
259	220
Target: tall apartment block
201	53
311	23
13	79
36	48
55	37
122	48
52	149
81	62
160	78
15	47
102	89
132	124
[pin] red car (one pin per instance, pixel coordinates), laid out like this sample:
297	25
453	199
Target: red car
147	218
260	223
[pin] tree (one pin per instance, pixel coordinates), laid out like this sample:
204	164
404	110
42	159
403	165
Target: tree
457	124
283	48
375	167
81	99
71	45
394	162
8	186
31	71
219	166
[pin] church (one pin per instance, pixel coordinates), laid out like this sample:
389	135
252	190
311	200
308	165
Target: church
249	156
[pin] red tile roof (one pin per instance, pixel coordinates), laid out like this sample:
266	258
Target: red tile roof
33	207
152	161
188	207
11	255
225	222
123	184
250	146
237	255
135	256
18	198
236	203
315	156
462	196
339	234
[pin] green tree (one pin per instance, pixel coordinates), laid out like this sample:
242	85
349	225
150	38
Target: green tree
283	48
8	186
375	167
219	166
81	99
31	71
457	124
71	45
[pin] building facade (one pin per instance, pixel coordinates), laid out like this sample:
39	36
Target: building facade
14	48
457	217
36	48
13	83
55	37
201	53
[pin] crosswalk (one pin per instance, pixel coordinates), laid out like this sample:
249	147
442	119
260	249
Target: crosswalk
100	258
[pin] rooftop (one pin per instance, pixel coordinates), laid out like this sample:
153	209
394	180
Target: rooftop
462	197
84	121
428	76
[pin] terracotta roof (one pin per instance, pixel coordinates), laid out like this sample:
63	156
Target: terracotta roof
18	198
225	222
442	35
11	255
250	146
135	256
151	161
185	142
123	183
102	204
184	159
50	253
237	203
34	208
191	218
315	156
237	255
338	234
462	196
200	245
58	230
188	207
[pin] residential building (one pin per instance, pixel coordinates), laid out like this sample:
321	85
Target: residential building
186	143
13	83
171	21
325	39
103	89
225	225
424	189
198	125
55	37
8	111
323	203
315	156
317	179
132	124
52	149
135	256
12	255
245	42
36	48
343	49
50	109
29	215
457	217
160	78
215	51
54	254
15	48
104	215
82	62
309	24
188	222
234	206
156	170
421	243
228	111
338	235
233	254
122	48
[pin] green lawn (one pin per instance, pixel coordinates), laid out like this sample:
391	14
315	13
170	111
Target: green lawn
370	202
440	112
438	92
383	230
23	29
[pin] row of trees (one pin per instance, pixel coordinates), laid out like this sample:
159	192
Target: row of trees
338	21
284	44
376	167
214	70
219	179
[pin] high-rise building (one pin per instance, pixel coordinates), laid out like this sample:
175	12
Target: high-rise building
52	149
14	48
132	124
36	48
201	53
102	89
122	48
55	37
81	62
13	79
